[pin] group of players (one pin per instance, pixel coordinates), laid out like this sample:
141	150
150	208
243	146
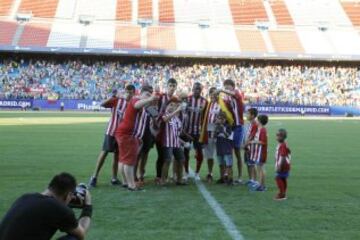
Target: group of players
177	123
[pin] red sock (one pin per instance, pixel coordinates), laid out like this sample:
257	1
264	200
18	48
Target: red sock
281	186
199	159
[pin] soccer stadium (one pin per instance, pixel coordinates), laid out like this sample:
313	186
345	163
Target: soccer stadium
179	119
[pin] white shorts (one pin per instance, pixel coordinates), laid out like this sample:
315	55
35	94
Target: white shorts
210	149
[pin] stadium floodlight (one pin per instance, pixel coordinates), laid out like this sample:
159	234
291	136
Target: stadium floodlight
86	19
262	25
204	23
23	17
145	22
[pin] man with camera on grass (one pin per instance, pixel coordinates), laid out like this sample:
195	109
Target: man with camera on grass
37	216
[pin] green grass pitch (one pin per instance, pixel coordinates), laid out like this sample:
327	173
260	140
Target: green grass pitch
323	193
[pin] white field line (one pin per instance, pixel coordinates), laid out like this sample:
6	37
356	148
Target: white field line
219	211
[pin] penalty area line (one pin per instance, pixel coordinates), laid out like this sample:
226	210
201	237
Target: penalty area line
219	212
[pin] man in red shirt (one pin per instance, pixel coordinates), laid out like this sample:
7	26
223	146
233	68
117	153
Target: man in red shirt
128	138
118	106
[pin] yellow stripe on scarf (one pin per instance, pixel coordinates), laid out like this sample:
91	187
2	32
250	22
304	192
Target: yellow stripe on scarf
224	108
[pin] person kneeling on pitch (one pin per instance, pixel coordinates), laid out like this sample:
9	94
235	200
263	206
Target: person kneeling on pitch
38	216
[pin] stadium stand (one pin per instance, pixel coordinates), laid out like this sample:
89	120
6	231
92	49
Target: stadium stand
100	10
166	11
248	12
221	39
314	41
313	28
65	9
286	41
39	8
35	35
127	37
100	36
281	12
145	9
161	38
7	31
352	9
65	35
191	11
251	41
5	7
124	10
189	38
309	13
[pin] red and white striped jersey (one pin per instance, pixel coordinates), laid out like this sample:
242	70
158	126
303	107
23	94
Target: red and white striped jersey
214	110
118	106
237	107
172	131
140	124
196	109
258	152
163	101
251	131
283	151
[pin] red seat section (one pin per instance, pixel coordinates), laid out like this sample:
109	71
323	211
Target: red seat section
127	37
352	9
286	42
145	10
7	31
5	6
35	34
247	12
251	41
39	8
123	10
161	38
166	11
281	12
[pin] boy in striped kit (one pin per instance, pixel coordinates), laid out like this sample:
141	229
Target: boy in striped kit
250	131
171	142
258	151
164	98
282	164
196	108
118	106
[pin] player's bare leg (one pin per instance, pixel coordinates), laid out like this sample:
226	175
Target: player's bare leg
179	171
142	165
229	173
99	163
261	173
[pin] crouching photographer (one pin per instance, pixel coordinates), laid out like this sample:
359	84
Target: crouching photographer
38	216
